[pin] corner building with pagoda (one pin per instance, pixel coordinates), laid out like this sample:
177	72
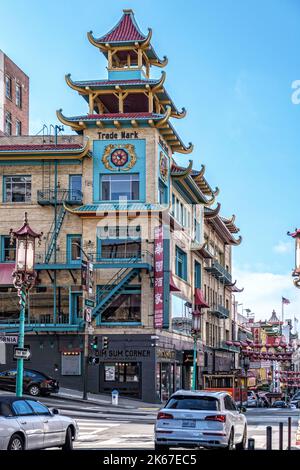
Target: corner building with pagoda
116	192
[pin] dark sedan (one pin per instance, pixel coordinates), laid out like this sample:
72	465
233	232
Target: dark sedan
34	383
279	404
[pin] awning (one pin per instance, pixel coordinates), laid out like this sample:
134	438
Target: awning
173	287
6	270
199	299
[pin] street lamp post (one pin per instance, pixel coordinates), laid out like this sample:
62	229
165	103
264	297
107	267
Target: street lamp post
196	328
296	272
246	368
24	277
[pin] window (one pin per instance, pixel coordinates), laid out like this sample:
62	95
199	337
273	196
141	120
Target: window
38	407
8	87
162	193
229	405
17	188
74	248
8	251
181	264
120	249
18	127
126	308
8	124
193	403
197	275
122	372
18	95
21	408
120	187
119	242
75	185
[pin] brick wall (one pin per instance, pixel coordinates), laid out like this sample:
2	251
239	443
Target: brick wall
21	114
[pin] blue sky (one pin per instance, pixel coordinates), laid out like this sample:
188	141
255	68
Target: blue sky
231	64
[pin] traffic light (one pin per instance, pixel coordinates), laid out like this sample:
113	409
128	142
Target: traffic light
94	343
94	360
105	342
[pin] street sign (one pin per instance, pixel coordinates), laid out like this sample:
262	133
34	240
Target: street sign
8	339
89	303
21	353
90	329
88	314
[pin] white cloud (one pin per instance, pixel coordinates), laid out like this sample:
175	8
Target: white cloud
283	247
263	291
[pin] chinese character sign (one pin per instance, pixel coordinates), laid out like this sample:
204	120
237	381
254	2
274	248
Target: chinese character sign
158	277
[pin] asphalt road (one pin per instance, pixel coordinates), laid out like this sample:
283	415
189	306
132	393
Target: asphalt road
108	427
105	427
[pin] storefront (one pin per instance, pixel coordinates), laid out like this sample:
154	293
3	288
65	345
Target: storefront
168	372
139	366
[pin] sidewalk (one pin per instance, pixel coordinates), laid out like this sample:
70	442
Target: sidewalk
105	400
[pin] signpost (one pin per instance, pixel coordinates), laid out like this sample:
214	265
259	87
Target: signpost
21	353
89	303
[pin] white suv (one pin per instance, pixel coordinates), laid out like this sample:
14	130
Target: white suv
200	419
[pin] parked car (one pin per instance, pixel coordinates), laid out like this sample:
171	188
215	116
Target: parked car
252	402
280	404
29	424
34	383
295	400
200	419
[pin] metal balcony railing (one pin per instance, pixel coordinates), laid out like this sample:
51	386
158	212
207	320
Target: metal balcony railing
220	311
227	347
63	257
218	271
49	196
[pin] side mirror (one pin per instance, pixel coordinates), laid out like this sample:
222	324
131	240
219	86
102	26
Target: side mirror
55	411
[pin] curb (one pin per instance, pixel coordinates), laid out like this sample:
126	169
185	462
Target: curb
89	400
95	402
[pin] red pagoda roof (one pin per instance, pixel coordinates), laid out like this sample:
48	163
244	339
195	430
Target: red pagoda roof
126	30
116	116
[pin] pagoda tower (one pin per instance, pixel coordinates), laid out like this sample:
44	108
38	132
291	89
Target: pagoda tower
128	98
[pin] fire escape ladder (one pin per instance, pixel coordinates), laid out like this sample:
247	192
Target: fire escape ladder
113	288
54	232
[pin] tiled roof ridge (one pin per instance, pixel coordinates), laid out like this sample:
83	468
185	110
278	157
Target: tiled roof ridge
116	82
126	30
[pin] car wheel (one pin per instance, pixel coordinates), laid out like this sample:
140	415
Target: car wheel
68	445
16	443
34	390
230	441
161	448
242	445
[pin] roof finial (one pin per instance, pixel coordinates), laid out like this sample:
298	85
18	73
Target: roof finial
25	218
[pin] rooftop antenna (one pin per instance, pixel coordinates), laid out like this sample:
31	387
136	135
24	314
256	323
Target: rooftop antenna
56	130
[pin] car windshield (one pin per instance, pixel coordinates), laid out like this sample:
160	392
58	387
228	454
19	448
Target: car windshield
182	402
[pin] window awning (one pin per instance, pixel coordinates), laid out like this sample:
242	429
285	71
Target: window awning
173	287
6	270
199	299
